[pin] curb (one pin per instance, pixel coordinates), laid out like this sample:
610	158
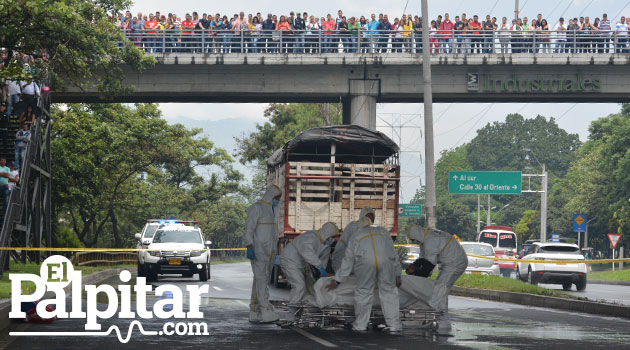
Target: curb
5	305
589	307
614	283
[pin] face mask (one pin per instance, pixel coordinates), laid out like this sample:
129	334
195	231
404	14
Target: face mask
329	241
275	202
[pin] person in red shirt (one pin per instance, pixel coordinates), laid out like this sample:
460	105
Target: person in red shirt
446	37
150	30
329	26
187	30
476	40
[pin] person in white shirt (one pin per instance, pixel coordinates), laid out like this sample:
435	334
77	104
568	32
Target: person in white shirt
14	176
13	95
29	91
561	36
621	30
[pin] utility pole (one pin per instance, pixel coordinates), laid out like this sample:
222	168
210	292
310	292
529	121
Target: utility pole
478	213
543	206
488	220
516	10
428	119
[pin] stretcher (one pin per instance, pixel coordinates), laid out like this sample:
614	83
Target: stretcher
342	316
420	301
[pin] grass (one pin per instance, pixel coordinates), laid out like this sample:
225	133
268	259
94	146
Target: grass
506	285
617	275
31	268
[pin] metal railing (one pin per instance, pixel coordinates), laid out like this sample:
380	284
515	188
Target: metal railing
378	41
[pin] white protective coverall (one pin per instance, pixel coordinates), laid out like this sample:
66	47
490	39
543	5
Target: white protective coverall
372	257
304	249
442	248
261	232
347	234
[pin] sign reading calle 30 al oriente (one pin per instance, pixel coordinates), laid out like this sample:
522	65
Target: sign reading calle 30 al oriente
484	182
569	84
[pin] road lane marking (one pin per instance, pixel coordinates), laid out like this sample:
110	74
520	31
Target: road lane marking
217	288
314	338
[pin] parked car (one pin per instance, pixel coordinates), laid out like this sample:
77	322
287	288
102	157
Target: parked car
504	241
564	274
481	266
178	248
413	253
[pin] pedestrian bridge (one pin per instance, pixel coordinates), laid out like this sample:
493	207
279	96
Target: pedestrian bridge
360	80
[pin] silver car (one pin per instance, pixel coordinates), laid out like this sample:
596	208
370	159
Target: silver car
481	266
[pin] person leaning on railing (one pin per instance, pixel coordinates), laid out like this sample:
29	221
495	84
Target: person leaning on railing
560	31
353	30
606	30
328	26
417	33
621	31
503	33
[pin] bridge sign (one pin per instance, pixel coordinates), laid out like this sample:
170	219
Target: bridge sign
579	222
614	239
484	182
409	210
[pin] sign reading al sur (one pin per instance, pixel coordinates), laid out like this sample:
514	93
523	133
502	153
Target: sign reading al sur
569	84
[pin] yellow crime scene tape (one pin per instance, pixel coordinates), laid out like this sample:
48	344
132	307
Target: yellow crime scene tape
46	249
556	262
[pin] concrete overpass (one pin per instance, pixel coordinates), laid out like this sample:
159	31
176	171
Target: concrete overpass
359	81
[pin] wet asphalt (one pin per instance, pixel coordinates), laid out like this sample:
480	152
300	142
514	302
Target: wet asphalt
477	324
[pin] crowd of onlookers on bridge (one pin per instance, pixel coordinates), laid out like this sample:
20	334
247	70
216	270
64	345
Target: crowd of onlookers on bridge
307	33
12	93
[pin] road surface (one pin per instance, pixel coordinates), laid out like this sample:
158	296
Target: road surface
477	324
607	292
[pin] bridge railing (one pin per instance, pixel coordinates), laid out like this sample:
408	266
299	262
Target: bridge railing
378	41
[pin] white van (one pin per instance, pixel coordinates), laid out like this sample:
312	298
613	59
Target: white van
504	241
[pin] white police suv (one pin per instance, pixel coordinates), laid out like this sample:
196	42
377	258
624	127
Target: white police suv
177	247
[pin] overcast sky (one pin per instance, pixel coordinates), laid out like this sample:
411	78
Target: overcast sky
455	124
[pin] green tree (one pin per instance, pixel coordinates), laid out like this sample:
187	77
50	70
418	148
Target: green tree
285	122
74	43
116	165
524	229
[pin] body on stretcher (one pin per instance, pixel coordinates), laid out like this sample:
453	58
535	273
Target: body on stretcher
421	304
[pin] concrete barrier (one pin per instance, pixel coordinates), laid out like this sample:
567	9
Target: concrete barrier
590	307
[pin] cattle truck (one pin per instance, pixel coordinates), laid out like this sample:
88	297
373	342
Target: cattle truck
329	174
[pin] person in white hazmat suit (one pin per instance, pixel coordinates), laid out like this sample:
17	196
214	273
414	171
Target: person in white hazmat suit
367	213
371	256
260	239
305	249
438	247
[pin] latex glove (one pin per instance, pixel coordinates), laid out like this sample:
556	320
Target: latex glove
398	281
250	253
332	285
322	271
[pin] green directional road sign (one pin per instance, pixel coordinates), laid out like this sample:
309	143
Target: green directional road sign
484	182
409	210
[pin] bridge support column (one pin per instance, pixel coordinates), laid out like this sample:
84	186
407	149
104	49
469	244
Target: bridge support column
362	102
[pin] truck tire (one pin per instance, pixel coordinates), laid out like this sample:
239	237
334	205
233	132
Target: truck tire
151	276
531	279
581	285
567	286
204	273
141	272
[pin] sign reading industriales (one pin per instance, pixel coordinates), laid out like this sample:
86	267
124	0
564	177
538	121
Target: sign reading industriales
568	84
484	182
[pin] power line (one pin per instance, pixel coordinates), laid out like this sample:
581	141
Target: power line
620	11
567	111
522	7
554	10
474	125
587	6
565	10
460	125
492	9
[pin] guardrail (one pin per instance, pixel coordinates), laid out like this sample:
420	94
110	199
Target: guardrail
377	41
96	258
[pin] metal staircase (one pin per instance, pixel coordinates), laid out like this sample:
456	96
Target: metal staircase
27	219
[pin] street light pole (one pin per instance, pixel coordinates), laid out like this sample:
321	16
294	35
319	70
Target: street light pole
488	222
429	157
478	213
543	207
